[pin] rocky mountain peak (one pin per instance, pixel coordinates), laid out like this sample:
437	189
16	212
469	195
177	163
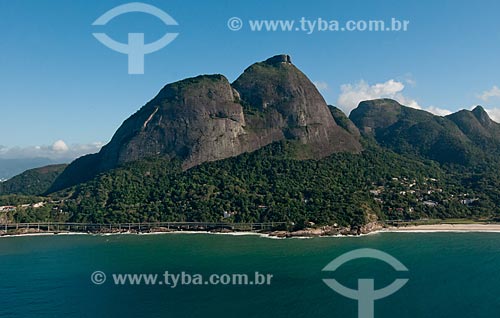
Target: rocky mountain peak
481	115
277	59
205	118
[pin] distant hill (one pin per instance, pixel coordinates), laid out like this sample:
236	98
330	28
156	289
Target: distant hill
13	167
32	182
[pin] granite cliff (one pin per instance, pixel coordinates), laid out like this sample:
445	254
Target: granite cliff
206	118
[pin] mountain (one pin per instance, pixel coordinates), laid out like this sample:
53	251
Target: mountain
280	102
206	118
32	182
411	131
479	128
268	148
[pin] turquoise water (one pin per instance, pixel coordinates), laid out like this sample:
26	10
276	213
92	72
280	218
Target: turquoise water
451	275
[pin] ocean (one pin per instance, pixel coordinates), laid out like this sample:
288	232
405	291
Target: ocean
449	275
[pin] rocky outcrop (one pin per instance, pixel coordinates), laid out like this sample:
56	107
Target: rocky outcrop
206	118
330	230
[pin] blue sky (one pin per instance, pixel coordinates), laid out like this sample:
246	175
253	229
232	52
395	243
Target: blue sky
57	82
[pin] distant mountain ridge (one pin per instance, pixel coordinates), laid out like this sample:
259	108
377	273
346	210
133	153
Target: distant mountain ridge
462	138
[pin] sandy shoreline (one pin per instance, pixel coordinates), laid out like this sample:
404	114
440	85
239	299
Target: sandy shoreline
473	227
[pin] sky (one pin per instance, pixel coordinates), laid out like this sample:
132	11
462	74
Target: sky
63	93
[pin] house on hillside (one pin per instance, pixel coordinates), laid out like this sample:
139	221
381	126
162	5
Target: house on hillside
7	208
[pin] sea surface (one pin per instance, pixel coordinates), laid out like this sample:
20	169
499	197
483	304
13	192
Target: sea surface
450	275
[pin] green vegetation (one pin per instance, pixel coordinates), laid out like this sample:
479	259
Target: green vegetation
32	182
414	170
267	185
15	200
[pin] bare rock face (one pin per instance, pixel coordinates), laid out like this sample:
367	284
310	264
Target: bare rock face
196	120
281	102
206	118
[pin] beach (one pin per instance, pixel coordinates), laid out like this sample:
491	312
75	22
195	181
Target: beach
444	227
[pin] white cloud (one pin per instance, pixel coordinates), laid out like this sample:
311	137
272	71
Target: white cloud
321	86
407	79
438	111
494	113
411	81
352	94
60	146
58	150
486	95
493	93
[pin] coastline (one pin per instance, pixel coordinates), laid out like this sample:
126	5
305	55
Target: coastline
445	227
370	229
51	233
